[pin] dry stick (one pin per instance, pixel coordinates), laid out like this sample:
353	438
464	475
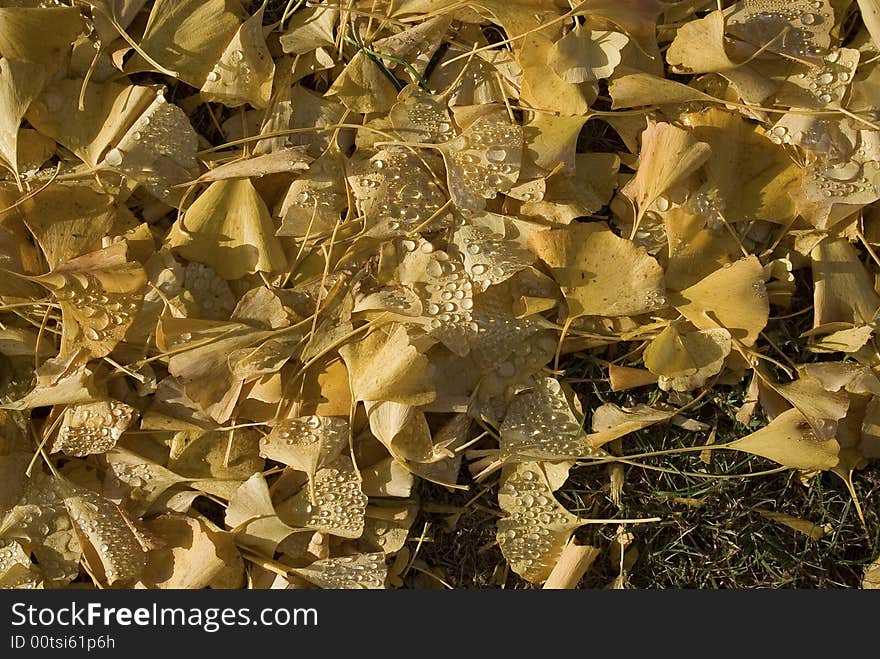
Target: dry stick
111	17
776	347
792	315
81	101
571	566
415	553
867	245
40	337
33	193
565	327
517	37
297	260
361	12
432	575
706	476
291	131
287	13
41	443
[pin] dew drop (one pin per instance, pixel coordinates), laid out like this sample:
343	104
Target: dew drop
496	155
809	19
113	157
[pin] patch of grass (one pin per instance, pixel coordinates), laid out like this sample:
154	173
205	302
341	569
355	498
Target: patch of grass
710	536
461	546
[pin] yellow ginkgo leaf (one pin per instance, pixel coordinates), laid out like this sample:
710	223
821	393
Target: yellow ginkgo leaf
187	37
600	273
91	428
252	518
612	422
314	201
386	478
749	176
848	340
540	425
310	28
536	527
695	250
548	143
366	571
20	84
229	228
844	291
483	161
402	429
100	293
848	376
39	519
71	220
109	110
636	18
16	568
685	359
158	151
790	441
502	360
445	471
290	160
417	44
489	77
306	443
336	505
444	290
669	155
387	525
216	462
808	528
386	366
53	29
698	46
821	408
803	28
584	55
73	385
200	359
245	70
488	257
137	481
112	544
421	117
871	579
733	297
194	554
638	89
397	191
622	378
362	87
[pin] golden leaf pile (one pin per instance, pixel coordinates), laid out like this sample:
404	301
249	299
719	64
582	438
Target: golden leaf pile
266	267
